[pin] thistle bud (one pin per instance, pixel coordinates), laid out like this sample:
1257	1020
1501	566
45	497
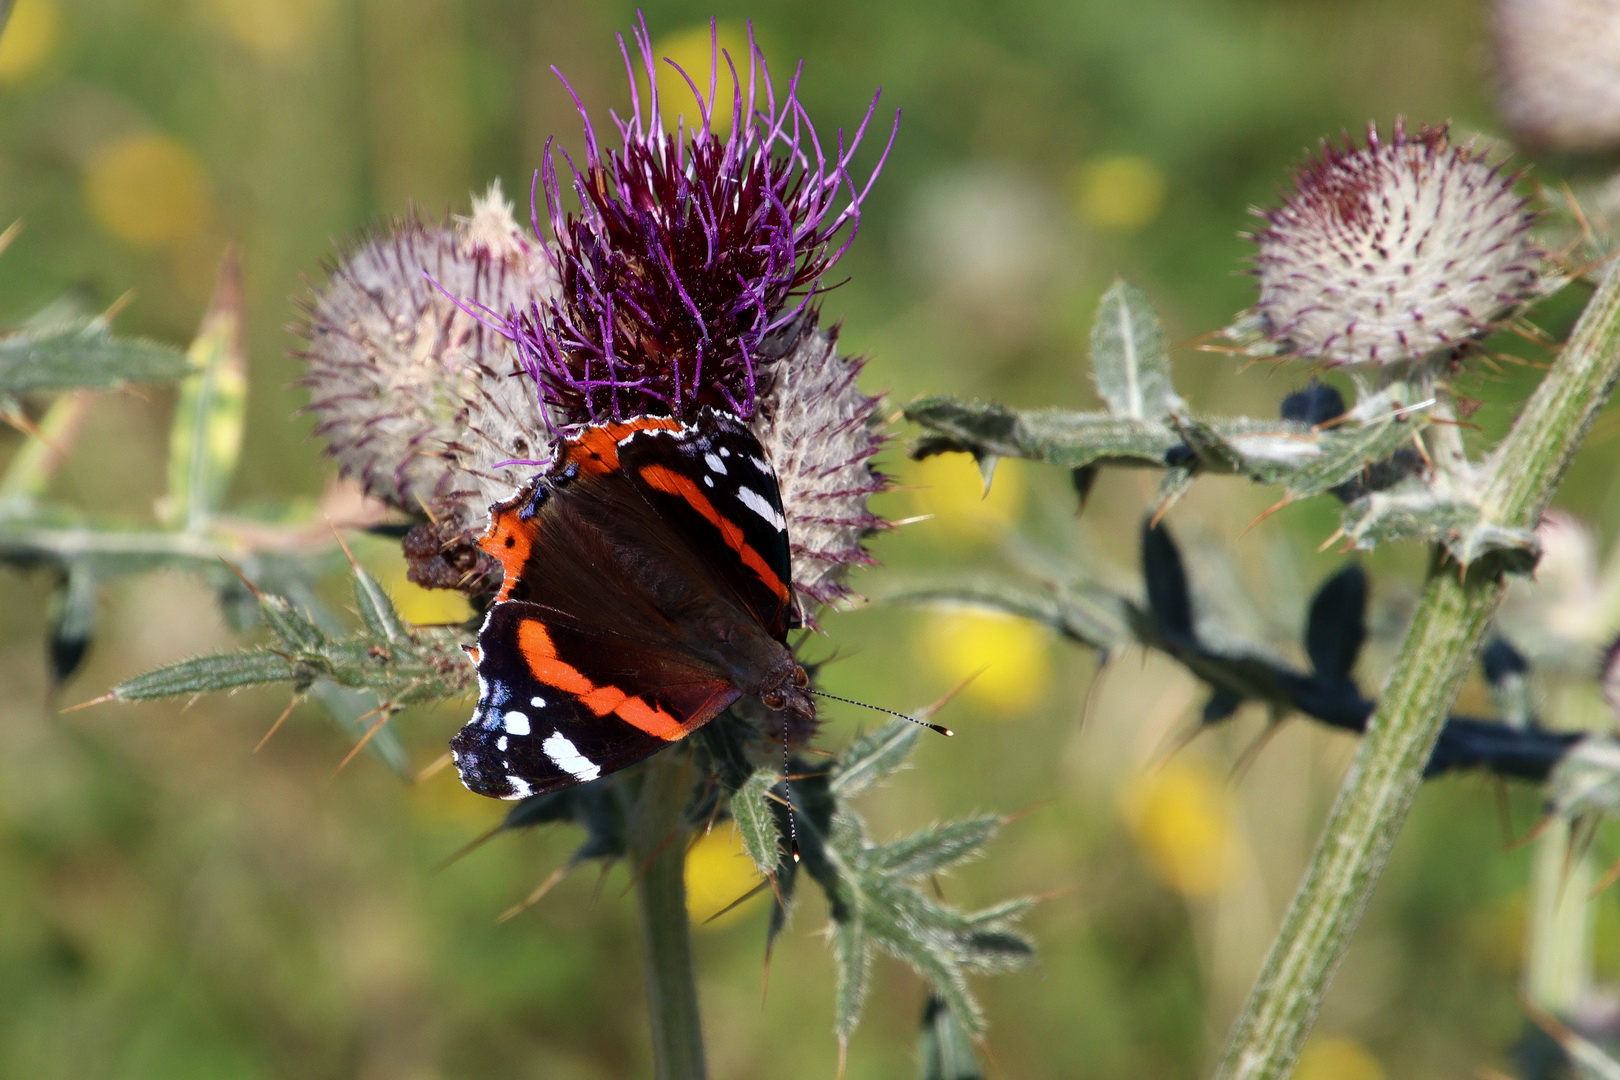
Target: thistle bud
420	400
1395	252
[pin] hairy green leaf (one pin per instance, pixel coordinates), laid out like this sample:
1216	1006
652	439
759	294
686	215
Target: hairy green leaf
1346	450
377	609
222	671
933	849
873	757
82	353
853	962
756	820
1129	362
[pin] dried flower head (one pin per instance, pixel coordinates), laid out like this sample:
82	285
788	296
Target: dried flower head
415	397
1394	252
1558	71
690	250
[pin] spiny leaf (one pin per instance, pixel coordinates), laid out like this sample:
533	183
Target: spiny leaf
1347	450
932	849
221	671
1085	615
872	757
947	1052
205	440
376	609
1128	359
752	808
853	962
894	927
1067	439
291	626
82	353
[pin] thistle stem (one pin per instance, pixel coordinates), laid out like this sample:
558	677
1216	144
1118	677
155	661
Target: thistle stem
1445	634
657	842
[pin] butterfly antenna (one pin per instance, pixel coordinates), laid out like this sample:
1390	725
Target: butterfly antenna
878	708
787	788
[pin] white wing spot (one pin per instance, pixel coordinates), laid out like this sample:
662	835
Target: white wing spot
759	505
517	723
725	452
500	744
708	481
566	756
759	463
538	702
521	788
715	463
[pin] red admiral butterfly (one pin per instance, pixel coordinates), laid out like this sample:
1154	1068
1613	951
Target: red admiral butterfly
647	587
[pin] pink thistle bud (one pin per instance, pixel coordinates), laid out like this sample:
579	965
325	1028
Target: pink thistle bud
1394	252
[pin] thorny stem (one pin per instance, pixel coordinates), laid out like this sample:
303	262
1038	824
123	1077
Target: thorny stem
1445	634
657	842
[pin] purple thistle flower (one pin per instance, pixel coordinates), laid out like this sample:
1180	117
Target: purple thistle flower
692	254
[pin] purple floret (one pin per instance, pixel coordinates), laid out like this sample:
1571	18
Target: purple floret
689	250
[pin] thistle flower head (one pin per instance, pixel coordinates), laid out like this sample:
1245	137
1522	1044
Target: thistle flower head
691	251
414	396
1394	252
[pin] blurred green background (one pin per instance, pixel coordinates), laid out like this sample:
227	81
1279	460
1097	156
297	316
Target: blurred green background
173	905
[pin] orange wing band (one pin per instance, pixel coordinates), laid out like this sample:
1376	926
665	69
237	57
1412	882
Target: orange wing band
667	480
540	652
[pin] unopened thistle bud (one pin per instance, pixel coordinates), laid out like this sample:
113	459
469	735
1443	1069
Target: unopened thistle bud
1394	252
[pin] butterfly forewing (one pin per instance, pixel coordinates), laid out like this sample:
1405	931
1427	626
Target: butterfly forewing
711	483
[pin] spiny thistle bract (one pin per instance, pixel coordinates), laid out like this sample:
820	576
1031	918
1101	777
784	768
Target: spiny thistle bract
1395	252
690	251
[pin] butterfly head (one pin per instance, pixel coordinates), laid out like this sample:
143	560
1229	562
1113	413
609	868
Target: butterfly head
789	695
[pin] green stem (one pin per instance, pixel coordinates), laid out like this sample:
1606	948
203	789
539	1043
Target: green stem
657	841
1445	634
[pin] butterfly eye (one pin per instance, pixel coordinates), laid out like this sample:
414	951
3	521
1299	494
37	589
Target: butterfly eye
773	700
800	678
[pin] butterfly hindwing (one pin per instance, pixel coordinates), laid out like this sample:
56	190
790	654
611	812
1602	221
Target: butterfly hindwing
547	718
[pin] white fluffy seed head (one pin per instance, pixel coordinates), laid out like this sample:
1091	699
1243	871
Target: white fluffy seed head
413	395
1394	252
1558	71
820	434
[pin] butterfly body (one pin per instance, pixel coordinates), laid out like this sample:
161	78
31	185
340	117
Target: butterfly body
646	588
